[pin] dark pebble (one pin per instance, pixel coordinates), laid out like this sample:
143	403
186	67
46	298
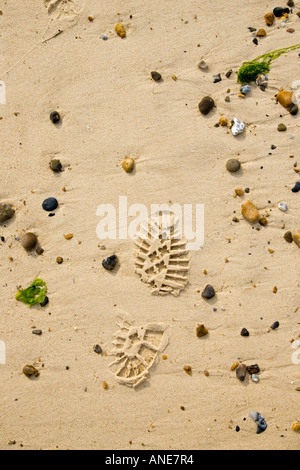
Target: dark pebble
29	241
54	117
254	369
273	147
229	73
278	12
251	29
255	40
206	105
209	292
6	212
98	349
110	262
275	326
217	78
245	332
30	371
233	165
241	372
156	76
37	332
39	251
50	204
294	110
45	302
288	236
56	165
237	429
296	188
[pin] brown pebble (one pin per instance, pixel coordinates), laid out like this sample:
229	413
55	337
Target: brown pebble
241	372
30	371
239	192
188	370
250	212
128	164
29	241
296	237
206	373
206	105
290	30
285	98
59	260
105	385
223	121
269	18
234	366
263	221
201	331
261	33
254	369
120	30
296	427
69	236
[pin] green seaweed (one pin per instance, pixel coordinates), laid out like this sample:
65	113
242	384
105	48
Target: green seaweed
34	294
249	71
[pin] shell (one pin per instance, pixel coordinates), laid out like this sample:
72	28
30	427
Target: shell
136	349
160	261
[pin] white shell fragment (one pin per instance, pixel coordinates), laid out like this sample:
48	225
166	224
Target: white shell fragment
136	349
282	206
238	127
162	260
2	92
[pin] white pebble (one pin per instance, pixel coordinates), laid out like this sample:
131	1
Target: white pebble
282	206
238	127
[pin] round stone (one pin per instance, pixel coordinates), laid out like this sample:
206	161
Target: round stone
59	260
156	76
6	212
278	12
233	165
245	332
275	325
29	241
283	206
206	105
203	65
282	128
30	371
56	165
209	292
128	164
288	236
50	204
54	117
110	262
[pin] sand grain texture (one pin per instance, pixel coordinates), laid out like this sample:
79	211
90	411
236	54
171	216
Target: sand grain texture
111	109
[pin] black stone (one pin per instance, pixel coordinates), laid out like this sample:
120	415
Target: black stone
37	332
278	12
156	76
98	349
275	326
206	105
209	292
294	110
50	204
245	332
217	78
296	188
54	117
254	369
110	262
255	40
45	302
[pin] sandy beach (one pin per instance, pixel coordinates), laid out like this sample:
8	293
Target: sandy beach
66	56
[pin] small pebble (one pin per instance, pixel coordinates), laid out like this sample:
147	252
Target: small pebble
288	236
296	427
269	18
255	41
37	332
245	89
296	188
285	98
238	127
59	260
98	349
283	206
206	105
188	370
254	369
250	212
54	117
261	33
233	165
55	165
281	127
50	204
278	12
201	331
245	332
128	164
45	302
6	212
110	262
255	378
217	78
156	76
275	325
203	65
296	238
29	241
30	371
120	30
229	73
261	422
209	292
251	29
294	110
241	372
223	121
263	221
